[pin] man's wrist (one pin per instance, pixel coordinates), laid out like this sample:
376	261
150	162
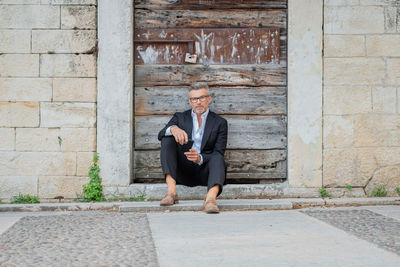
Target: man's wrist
172	127
201	159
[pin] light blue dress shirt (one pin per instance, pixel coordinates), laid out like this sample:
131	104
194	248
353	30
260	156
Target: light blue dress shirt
197	132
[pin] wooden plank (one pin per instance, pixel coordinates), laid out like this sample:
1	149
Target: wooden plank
241	164
207	4
212	46
274	18
226	100
239	75
244	132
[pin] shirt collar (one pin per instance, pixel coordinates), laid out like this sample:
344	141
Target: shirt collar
204	115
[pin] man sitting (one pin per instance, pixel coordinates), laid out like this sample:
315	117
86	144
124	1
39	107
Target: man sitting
204	163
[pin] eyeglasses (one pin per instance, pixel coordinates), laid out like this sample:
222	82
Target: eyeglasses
196	99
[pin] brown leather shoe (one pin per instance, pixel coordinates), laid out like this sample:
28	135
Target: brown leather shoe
169	199
210	206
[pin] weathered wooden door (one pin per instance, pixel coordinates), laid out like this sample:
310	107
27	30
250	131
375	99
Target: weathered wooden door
241	53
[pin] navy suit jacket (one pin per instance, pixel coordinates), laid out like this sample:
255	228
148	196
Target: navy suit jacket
215	135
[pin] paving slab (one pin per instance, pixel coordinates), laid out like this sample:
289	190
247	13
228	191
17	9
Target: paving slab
259	238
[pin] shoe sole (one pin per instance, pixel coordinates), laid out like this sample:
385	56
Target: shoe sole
175	202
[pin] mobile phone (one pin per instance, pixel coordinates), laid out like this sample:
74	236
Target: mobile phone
186	146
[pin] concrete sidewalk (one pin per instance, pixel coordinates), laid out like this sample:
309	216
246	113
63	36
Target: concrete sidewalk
315	236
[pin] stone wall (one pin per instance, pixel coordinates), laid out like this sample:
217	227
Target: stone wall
47	96
362	94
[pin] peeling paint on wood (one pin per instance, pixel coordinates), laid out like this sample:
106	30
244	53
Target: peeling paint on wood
212	46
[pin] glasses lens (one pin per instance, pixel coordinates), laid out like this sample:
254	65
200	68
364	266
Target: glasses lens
201	98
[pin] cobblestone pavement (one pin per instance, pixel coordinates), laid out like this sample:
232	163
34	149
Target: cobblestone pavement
79	239
370	226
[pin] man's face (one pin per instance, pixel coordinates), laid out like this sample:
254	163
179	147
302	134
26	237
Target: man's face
199	105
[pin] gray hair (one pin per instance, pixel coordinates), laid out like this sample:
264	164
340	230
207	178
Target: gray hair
199	86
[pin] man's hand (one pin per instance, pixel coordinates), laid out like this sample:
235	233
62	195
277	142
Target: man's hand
180	135
193	155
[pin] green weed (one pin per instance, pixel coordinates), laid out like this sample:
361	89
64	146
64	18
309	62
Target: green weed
397	191
379	191
23	199
323	192
93	191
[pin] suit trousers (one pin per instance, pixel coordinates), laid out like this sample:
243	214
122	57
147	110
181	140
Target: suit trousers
189	173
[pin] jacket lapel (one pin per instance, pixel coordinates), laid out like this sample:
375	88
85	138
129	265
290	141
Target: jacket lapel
189	123
207	130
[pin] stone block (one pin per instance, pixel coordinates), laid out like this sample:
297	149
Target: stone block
115	95
398	99
391	19
58	114
384	99
19	114
338	131
13	185
75	89
387	156
19	65
355	71
383	45
38	163
348	99
389	177
344	192
83	162
66	186
7	140
78	17
339	167
341	3
67	65
378	2
375	130
15	41
348	166
354	20
78	139
398	19
25	89
393	71
344	45
19	2
37	139
70	2
29	16
63	41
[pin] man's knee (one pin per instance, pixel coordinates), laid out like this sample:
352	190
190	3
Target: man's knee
217	159
168	142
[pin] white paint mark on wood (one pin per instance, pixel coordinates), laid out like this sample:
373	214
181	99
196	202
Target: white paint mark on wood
202	39
163	34
149	56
